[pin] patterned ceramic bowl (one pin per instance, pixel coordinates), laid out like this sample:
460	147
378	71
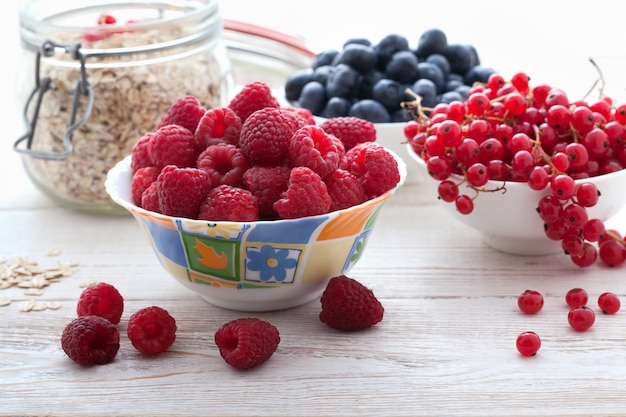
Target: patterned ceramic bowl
254	266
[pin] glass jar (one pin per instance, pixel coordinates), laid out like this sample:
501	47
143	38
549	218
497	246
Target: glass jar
97	75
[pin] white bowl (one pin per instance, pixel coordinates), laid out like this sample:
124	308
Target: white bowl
508	221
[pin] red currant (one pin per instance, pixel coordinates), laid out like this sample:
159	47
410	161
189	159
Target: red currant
477	174
587	257
478	103
538	179
575	215
609	303
576	297
528	343
448	191
587	194
530	301
550	209
593	231
612	252
439	168
563	187
464	204
581	318
449	133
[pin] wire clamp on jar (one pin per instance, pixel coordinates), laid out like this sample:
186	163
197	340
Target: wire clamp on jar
44	84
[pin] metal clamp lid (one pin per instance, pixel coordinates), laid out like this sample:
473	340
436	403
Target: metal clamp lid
44	84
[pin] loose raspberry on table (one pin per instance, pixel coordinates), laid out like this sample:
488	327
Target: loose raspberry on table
267	183
229	203
265	137
185	111
225	164
90	340
172	145
142	179
350	130
216	126
140	155
345	190
375	167
247	342
101	299
151	330
348	305
306	195
181	191
253	96
312	147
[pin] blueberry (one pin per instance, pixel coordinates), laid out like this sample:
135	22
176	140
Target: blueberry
460	57
441	61
463	90
389	93
370	110
426	89
432	41
402	67
324	58
388	46
342	82
360	57
450	96
313	97
401	115
322	73
452	84
477	73
432	72
368	81
295	82
360	41
337	107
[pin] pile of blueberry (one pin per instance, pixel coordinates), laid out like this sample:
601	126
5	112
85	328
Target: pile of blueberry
369	81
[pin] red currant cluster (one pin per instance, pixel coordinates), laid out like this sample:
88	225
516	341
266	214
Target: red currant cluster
508	131
580	317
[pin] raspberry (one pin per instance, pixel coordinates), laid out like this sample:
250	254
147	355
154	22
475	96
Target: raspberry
348	305
376	168
225	164
312	147
300	116
142	179
252	97
306	195
265	136
350	130
247	342
172	145
216	126
103	300
151	330
185	112
181	191
226	202
90	340
150	198
345	190
267	184
140	156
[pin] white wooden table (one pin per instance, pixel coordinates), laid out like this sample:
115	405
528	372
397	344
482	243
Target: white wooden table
446	346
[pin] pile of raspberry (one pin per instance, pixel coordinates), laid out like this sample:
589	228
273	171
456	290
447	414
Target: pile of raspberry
257	160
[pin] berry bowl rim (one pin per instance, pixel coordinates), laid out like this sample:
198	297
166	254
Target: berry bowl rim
120	192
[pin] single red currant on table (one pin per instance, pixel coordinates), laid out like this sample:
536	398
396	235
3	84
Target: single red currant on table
609	303
581	318
530	301
528	343
576	297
